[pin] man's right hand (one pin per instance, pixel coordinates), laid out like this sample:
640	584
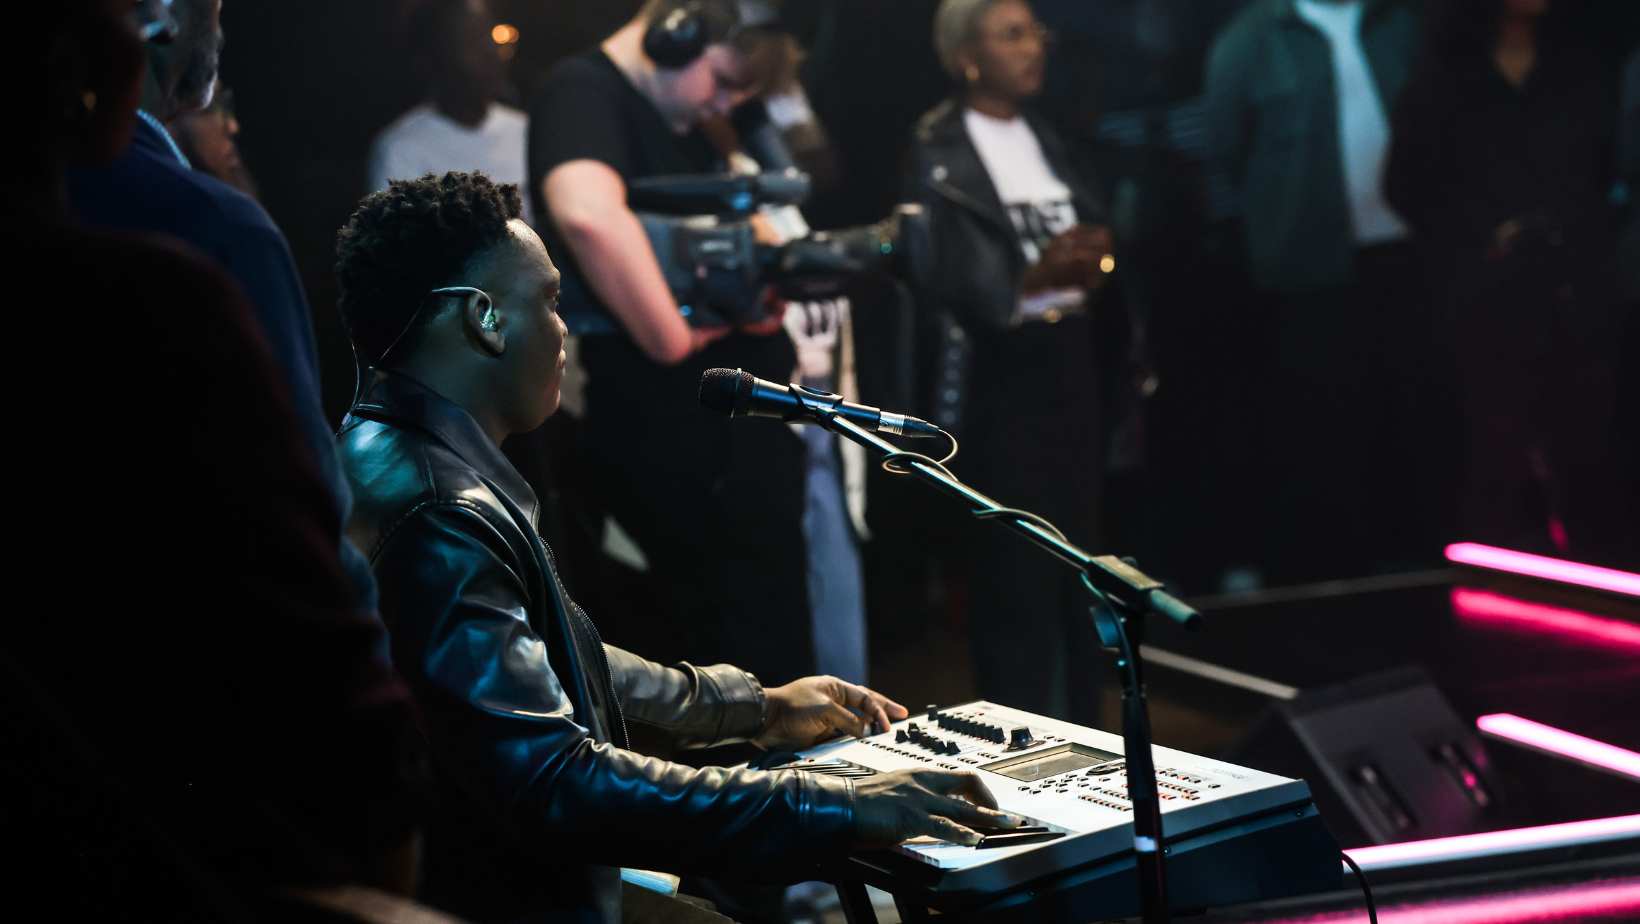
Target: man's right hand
891	807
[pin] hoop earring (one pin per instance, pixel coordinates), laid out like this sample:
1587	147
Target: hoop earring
87	107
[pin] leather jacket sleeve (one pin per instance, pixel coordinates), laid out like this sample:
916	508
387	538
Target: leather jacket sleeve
967	269
504	729
698	707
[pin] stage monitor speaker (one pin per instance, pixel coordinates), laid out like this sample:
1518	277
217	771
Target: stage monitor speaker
1386	757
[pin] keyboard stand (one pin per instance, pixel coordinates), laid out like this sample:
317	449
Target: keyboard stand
857	907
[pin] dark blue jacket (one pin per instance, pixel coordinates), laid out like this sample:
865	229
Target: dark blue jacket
1272	114
152	188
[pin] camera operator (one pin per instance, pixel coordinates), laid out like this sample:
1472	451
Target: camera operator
716	509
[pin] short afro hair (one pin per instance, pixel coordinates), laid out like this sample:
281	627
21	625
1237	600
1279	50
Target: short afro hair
408	239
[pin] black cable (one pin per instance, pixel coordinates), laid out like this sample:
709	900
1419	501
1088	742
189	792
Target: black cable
1366	887
1029	517
899	463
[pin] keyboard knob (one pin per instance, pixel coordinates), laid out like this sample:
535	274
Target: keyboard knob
901	736
1019	738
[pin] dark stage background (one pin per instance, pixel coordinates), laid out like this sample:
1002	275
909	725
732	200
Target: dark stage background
314	81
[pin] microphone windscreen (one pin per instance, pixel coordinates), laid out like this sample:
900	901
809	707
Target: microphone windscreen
718	388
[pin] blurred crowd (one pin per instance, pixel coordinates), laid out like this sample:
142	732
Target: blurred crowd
1263	292
1370	296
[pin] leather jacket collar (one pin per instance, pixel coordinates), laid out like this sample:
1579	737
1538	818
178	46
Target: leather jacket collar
960	175
406	402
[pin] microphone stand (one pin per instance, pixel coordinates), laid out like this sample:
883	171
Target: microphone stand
1122	594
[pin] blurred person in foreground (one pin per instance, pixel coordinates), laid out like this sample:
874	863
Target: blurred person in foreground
715	506
153	187
209	139
1020	254
452	300
205	727
1504	156
1355	428
462	123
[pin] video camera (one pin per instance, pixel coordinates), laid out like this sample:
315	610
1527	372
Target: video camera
700	229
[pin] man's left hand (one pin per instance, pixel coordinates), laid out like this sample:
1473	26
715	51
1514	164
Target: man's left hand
808	711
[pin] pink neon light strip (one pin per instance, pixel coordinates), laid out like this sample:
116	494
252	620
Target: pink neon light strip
1583	901
1541	566
1485	606
1494	843
1561	743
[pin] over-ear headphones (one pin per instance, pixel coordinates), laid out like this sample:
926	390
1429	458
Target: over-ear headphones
679	35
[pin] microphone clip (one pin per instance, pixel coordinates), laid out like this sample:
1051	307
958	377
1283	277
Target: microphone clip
823	405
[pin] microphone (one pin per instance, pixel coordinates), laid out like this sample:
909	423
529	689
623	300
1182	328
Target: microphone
735	393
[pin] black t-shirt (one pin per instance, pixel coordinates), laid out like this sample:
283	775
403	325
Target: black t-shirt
588	110
716	505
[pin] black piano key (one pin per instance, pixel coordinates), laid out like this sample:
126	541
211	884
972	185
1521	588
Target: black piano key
1016	837
1022	829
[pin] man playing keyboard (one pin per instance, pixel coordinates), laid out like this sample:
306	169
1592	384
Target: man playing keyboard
450	299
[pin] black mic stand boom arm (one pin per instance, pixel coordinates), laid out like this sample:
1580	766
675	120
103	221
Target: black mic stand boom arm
1118	587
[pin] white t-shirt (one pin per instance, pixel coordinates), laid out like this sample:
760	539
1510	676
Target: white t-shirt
424	141
1038	202
1363	130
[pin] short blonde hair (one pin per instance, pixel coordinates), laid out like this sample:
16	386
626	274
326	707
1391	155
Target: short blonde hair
956	25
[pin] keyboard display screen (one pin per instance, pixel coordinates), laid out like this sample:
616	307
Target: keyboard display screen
1051	762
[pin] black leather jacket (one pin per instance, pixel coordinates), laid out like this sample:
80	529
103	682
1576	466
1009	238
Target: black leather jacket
527	710
969	284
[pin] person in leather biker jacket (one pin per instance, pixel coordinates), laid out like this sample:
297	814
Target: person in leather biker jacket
450	300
